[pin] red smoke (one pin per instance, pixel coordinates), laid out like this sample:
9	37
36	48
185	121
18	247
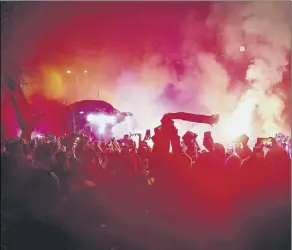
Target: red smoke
132	51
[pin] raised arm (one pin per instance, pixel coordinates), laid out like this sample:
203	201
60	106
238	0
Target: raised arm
207	119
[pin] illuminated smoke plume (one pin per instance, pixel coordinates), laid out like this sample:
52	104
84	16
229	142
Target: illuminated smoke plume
255	33
263	28
139	92
250	38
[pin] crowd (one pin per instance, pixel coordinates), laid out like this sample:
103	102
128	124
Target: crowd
74	193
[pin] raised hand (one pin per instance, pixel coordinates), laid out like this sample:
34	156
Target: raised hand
214	119
167	116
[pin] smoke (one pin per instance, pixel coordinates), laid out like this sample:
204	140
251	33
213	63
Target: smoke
198	75
202	70
199	82
139	92
263	28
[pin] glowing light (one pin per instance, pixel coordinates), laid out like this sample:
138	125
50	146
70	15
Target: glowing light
34	135
90	118
52	86
101	119
240	121
101	129
68	71
242	48
110	119
81	112
85	71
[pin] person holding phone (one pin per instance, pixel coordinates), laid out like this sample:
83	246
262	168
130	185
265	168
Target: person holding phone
208	141
241	147
192	147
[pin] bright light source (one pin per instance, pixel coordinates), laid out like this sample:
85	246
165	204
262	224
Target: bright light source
110	119
242	48
101	129
101	119
68	71
36	134
81	112
91	118
85	71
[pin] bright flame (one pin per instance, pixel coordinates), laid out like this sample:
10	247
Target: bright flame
240	121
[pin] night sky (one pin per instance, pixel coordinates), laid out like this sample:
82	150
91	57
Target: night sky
39	32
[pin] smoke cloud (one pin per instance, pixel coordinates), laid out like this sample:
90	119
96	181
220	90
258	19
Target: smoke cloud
229	60
262	29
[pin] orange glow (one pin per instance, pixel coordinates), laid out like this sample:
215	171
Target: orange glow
53	87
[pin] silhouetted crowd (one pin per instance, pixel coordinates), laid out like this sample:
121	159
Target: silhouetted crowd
73	193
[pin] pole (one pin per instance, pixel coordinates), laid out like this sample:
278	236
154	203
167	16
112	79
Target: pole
73	119
77	85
